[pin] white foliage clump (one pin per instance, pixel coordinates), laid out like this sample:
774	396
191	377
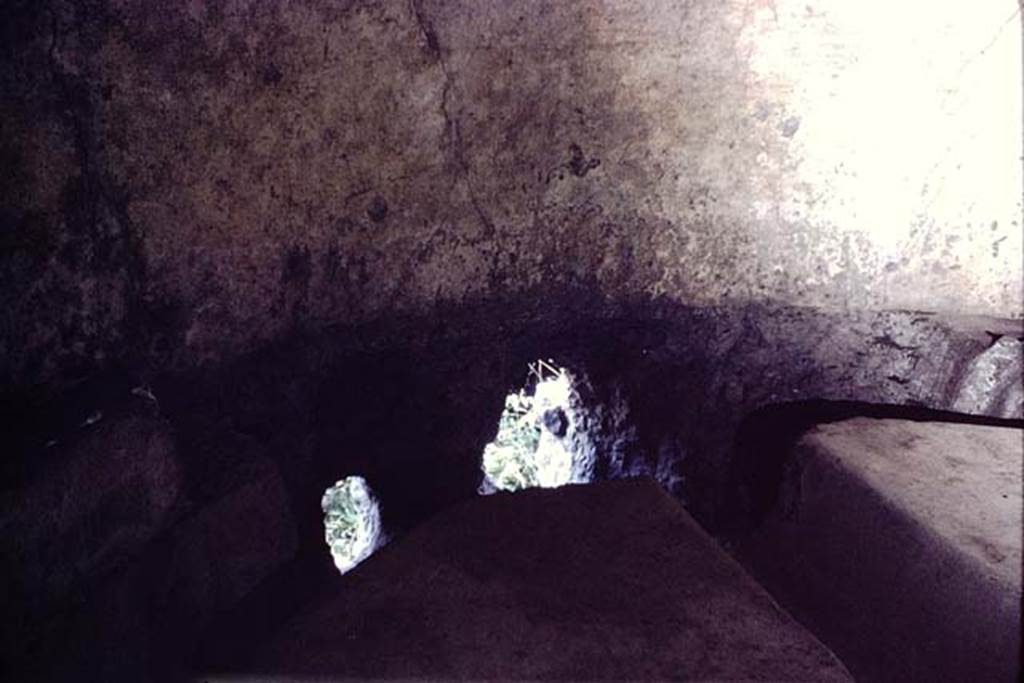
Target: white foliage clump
540	440
352	526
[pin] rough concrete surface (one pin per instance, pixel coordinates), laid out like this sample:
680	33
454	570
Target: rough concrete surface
993	383
604	581
187	181
899	544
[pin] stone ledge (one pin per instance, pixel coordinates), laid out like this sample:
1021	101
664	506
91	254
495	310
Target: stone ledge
899	544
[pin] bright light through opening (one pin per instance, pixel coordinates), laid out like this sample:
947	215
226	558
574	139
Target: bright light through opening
352	526
541	440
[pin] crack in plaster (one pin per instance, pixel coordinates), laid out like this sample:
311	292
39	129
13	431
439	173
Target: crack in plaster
454	133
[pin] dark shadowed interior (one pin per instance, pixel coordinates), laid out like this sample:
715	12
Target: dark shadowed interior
250	248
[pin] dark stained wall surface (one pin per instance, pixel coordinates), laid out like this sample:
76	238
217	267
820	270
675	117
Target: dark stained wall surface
184	182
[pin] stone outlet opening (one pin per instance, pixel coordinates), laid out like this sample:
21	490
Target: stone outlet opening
352	523
543	437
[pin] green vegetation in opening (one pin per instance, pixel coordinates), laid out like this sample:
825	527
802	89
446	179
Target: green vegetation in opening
524	454
352	526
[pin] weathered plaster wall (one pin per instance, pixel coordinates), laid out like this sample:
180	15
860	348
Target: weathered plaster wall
299	240
185	181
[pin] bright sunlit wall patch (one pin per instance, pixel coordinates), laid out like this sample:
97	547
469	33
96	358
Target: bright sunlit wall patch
542	437
352	524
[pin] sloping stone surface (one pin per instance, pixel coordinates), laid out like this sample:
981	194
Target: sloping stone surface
605	581
144	620
899	544
95	504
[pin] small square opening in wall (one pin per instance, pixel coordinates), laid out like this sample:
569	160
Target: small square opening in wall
352	523
542	437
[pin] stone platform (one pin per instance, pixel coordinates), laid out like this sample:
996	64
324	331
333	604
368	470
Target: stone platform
899	544
606	581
